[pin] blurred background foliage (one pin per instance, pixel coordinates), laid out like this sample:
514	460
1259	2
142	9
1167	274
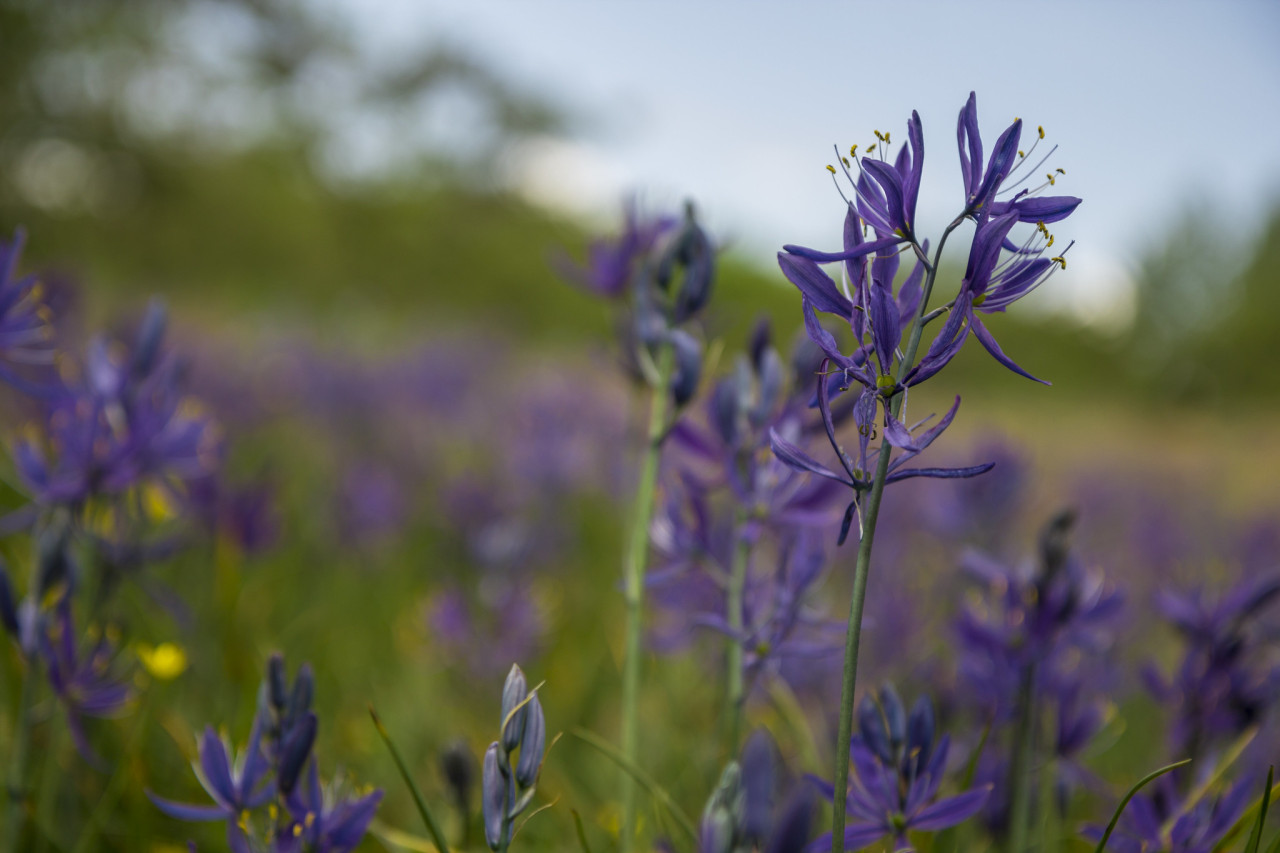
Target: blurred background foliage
214	152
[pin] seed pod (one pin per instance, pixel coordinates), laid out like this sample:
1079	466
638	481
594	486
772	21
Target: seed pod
493	783
533	744
514	692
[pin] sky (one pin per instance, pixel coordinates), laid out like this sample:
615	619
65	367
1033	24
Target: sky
1155	107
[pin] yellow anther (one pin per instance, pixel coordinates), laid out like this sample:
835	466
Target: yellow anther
880	135
244	820
1050	243
1041	131
1060	170
845	160
1061	261
1050	177
273	811
853	151
1021	153
297	830
309	819
886	139
831	169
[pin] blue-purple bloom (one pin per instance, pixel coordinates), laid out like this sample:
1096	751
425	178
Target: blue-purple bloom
235	787
26	333
329	820
1228	679
1160	820
897	769
125	422
86	681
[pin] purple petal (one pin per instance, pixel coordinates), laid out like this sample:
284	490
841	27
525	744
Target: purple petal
831	257
818	287
984	336
186	811
794	457
940	473
951	811
216	768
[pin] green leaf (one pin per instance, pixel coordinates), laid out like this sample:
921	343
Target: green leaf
1255	837
582	833
1115	818
432	828
642	778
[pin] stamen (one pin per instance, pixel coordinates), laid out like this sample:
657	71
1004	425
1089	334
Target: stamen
1041	129
1060	260
831	169
1035	168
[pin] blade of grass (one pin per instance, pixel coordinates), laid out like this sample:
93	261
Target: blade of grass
1255	837
1115	818
400	838
432	828
582	833
642	778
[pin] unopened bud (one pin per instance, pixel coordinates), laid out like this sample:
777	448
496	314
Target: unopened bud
494	790
533	744
514	692
294	753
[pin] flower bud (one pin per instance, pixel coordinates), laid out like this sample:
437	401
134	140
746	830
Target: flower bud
1055	542
277	682
494	791
150	334
533	743
293	755
514	692
920	731
723	813
458	766
304	688
688	357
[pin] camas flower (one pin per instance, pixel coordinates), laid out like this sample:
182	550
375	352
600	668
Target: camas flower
86	682
123	424
897	769
329	821
236	788
26	336
1159	820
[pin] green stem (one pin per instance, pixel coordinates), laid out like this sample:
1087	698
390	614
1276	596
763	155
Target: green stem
736	690
871	511
633	589
15	808
1021	780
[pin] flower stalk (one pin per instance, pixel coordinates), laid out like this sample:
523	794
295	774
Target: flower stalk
735	687
870	513
16	795
633	588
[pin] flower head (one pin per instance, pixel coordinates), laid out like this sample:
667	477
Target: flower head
897	769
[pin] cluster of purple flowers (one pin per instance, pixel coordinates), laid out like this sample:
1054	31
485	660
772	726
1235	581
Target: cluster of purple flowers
262	795
898	765
728	506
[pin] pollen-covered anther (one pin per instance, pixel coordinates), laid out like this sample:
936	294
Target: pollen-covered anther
1041	129
1060	260
1051	178
845	160
831	169
853	150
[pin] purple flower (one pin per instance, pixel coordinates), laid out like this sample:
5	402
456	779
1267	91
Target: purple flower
613	262
26	334
858	470
85	681
1158	819
235	788
896	771
125	422
329	820
1227	680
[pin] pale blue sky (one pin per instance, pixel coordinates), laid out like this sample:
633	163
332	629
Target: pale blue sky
1156	106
